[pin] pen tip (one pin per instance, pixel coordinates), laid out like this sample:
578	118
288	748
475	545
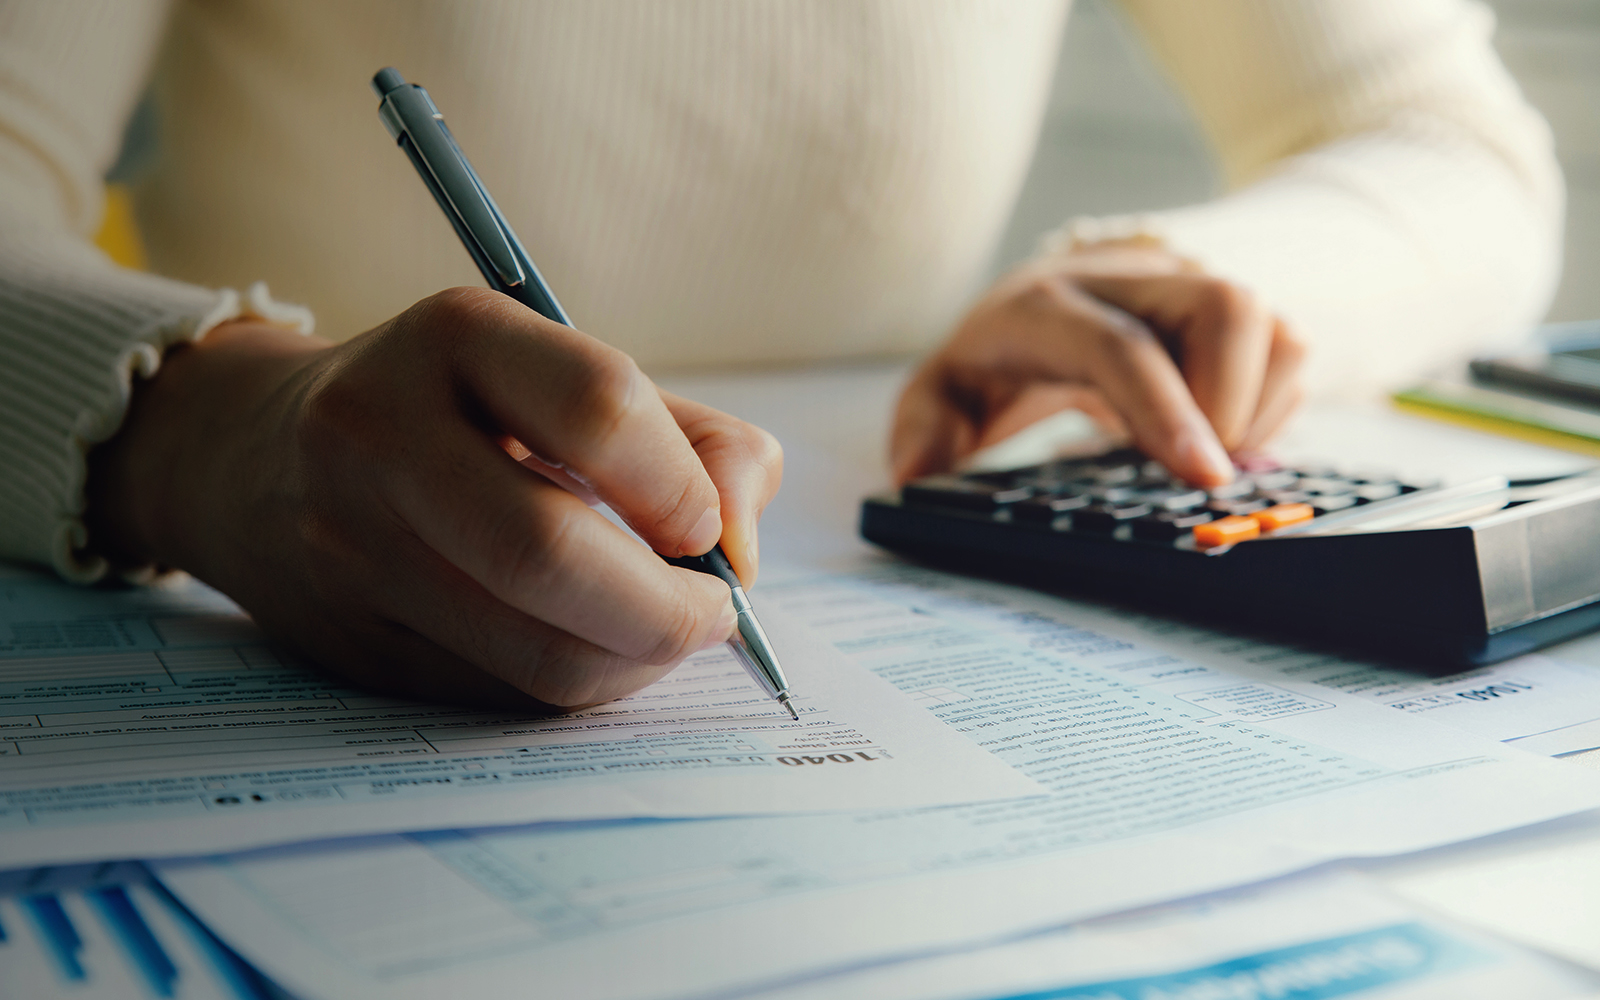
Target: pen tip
784	701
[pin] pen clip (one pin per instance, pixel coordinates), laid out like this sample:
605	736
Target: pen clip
416	124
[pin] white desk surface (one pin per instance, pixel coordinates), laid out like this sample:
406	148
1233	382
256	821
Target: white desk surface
1541	887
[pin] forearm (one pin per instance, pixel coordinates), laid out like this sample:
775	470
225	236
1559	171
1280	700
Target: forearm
1394	195
1393	251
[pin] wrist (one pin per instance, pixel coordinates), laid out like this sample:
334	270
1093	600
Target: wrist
153	487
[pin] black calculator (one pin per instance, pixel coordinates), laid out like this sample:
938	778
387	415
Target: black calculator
1425	573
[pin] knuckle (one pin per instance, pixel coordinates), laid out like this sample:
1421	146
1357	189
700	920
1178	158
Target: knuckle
1042	294
1118	336
673	508
525	550
449	326
763	449
1227	303
325	538
586	680
557	680
561	673
683	630
1291	344
454	308
604	389
562	670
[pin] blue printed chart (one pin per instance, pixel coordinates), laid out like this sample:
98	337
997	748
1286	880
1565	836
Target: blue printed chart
112	931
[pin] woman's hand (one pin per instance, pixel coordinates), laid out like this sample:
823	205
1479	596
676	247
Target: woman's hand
390	506
1193	367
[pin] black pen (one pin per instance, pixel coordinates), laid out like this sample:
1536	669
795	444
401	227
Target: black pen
416	124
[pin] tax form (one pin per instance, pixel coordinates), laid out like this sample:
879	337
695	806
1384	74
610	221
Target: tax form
156	721
1167	778
1535	703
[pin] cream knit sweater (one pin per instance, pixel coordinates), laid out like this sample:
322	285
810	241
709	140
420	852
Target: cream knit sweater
719	181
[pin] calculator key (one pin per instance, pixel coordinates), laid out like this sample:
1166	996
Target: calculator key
1373	492
1010	495
1174	499
1330	503
961	493
1280	480
1059	479
1104	518
1225	531
1048	481
1283	515
1369	476
1168	525
1146	484
1002	477
1237	508
1109	475
1413	485
1045	509
1232	491
1286	496
1315	470
1111	494
1325	486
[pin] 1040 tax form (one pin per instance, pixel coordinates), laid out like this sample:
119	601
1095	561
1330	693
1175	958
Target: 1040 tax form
151	722
1167	778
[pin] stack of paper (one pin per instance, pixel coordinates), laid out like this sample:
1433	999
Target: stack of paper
975	766
163	724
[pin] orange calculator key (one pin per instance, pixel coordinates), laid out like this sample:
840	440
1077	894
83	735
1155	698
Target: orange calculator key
1226	531
1283	515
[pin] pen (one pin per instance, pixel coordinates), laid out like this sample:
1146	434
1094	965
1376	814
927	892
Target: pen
417	126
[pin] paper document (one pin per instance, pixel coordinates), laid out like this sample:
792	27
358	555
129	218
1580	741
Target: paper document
1536	702
153	722
1312	938
1168	778
1541	890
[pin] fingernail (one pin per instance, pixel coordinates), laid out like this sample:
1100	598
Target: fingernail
703	535
752	561
724	630
1202	448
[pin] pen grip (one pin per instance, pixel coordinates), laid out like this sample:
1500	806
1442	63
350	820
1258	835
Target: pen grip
714	562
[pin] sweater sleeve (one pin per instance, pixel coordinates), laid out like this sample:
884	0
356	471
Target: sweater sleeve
74	328
1391	193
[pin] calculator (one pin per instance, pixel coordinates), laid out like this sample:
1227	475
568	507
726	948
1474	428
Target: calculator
1444	576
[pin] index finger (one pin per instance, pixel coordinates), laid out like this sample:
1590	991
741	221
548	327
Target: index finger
1225	335
1127	362
587	409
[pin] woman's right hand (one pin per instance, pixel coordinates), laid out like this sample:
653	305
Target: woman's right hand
366	503
1192	366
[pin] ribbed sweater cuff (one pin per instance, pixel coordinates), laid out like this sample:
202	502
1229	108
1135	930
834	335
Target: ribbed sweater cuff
74	330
